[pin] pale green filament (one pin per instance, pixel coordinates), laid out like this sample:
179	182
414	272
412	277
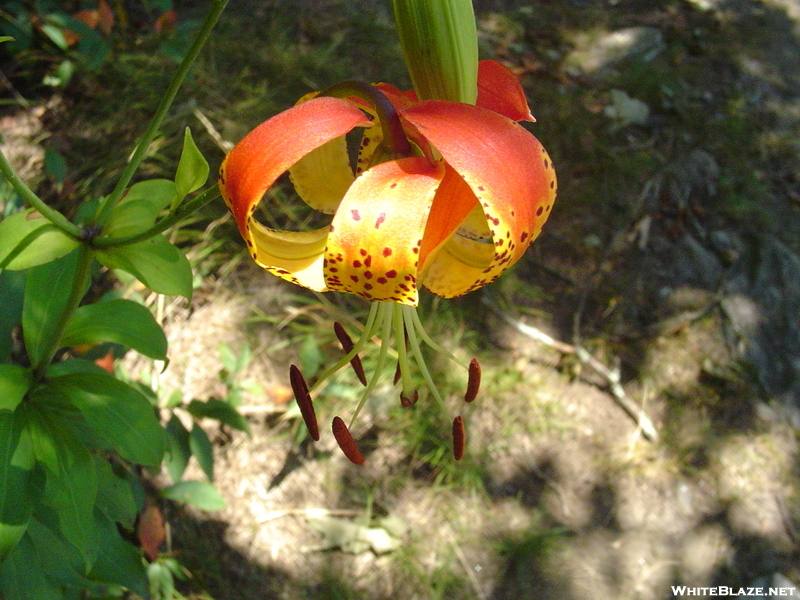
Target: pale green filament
428	340
366	334
384	321
402	351
389	320
408	317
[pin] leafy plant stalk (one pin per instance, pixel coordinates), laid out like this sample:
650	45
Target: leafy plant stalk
53	337
27	194
185	209
161	112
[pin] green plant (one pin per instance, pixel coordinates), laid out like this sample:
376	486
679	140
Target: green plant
45	38
74	438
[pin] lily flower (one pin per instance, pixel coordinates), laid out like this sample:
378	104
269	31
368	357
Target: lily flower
442	195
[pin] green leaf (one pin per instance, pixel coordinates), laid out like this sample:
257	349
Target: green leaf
120	321
15	381
192	171
22	576
202	450
6	38
162	584
198	493
118	413
118	561
178	450
139	207
12	292
47	290
61	563
74	365
16	482
54	163
27	240
155	262
219	410
56	35
71	486
115	495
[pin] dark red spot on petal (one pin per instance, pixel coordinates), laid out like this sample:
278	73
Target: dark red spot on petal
356	215
387	251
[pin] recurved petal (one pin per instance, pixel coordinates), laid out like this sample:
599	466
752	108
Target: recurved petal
322	176
499	90
399	99
271	148
376	235
509	172
267	152
452	210
296	256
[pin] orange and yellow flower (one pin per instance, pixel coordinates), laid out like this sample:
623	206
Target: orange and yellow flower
440	194
452	215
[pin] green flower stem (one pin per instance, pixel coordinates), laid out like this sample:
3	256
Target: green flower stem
52	215
440	46
82	271
184	210
161	112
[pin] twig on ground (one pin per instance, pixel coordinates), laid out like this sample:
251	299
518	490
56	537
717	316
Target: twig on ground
307	512
470	571
611	375
224	145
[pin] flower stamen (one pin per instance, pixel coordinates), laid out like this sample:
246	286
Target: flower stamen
459	437
388	322
347	345
409	401
474	381
304	402
346	442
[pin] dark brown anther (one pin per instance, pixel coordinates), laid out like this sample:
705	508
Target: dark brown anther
303	398
474	381
459	437
408	402
346	441
347	346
